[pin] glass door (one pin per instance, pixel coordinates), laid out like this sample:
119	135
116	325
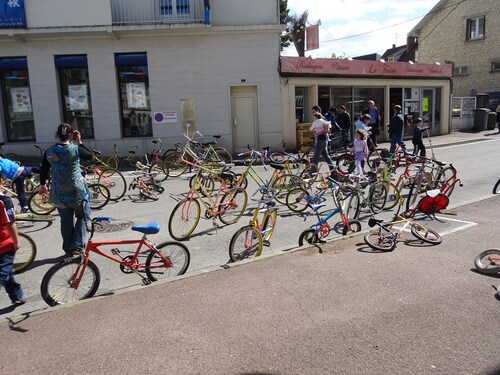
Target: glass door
428	109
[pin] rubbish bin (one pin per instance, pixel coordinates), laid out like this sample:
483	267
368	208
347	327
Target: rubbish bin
492	120
480	119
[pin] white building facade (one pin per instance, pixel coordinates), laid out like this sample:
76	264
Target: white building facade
126	71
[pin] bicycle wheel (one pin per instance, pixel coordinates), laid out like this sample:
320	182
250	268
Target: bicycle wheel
223	155
184	219
173	160
114	181
392	196
377	158
269	224
354	227
111	161
39	204
296	200
199	180
232	205
414	192
246	243
308	236
345	163
488	262
98	196
352	211
26	253
496	188
378	197
379	242
243	181
426	235
445	181
178	255
57	284
277	157
161	170
147	191
284	184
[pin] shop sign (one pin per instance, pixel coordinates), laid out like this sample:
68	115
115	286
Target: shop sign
168	117
312	37
12	15
323	66
21	99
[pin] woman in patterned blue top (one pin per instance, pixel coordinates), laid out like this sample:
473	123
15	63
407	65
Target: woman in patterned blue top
68	190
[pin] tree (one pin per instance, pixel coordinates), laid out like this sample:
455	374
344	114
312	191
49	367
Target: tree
297	28
284	12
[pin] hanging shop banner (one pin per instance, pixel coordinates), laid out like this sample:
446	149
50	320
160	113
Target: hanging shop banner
312	37
12	15
78	99
136	95
21	99
169	117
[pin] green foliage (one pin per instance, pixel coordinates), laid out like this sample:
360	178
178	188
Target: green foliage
286	38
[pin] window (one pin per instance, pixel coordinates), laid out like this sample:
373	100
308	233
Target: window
16	93
495	66
460	71
75	93
133	79
476	28
174	7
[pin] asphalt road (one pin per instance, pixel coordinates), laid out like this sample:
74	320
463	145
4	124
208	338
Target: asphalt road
476	163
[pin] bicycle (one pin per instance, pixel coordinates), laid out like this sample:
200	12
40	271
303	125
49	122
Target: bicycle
377	195
488	262
78	277
146	184
249	240
112	179
26	253
385	238
321	230
298	199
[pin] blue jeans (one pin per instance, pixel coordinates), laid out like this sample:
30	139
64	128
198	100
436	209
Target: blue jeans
397	139
19	183
74	234
320	149
7	280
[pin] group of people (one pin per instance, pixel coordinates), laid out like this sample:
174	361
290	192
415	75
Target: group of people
366	130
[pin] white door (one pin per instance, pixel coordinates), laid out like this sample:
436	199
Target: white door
244	117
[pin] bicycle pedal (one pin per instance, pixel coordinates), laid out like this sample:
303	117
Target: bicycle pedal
146	281
266	243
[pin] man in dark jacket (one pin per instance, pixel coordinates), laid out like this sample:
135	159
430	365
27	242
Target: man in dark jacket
344	122
396	130
374	121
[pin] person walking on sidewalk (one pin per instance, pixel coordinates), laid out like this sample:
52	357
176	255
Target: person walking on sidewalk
344	121
374	121
396	130
9	243
68	191
321	128
418	143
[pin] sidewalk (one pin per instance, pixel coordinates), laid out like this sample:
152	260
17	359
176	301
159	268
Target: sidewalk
338	309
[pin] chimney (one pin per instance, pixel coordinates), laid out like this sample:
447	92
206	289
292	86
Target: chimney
411	43
393	46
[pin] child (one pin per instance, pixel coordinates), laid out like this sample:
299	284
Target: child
17	174
9	243
418	144
321	128
360	149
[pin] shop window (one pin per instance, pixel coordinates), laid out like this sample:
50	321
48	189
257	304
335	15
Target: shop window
495	66
16	94
460	71
133	79
75	93
476	28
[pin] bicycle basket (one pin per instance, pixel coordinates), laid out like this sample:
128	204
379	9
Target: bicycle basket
431	205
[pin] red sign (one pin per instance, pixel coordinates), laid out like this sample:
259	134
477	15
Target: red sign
334	67
312	37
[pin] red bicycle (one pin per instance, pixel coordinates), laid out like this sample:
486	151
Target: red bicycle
78	278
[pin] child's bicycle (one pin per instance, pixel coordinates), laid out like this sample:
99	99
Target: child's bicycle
320	230
78	277
248	241
146	184
488	262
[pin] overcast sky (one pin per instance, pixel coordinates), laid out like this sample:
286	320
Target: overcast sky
342	18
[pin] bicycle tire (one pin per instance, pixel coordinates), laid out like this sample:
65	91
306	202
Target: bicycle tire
378	242
98	196
269	224
246	243
485	265
39	205
378	197
182	224
147	192
375	158
115	182
443	177
176	252
161	170
284	184
223	155
496	188
233	205
58	290
308	236
30	216
392	196
296	200
112	161
354	227
345	163
26	253
426	235
206	181
243	181
133	159
352	210
277	157
173	160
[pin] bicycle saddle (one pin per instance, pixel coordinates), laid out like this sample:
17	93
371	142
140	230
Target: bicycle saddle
277	166
372	222
151	228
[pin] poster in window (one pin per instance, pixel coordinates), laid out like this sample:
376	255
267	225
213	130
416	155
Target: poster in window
21	99
136	95
78	99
